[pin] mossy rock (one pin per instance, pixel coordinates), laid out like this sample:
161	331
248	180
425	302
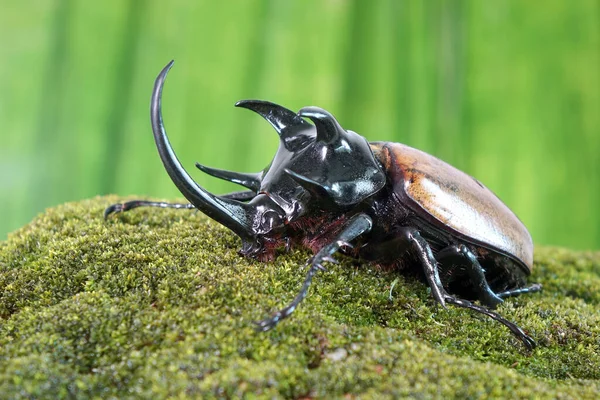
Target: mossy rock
157	303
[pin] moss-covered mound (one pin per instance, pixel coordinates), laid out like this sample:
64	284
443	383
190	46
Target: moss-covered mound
157	303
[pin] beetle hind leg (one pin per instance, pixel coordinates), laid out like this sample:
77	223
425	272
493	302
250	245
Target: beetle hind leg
536	287
514	328
459	254
408	238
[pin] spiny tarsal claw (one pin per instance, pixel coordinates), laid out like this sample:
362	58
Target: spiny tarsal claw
330	259
266	324
313	263
343	243
113	209
320	267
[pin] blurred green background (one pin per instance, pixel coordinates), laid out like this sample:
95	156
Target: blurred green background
508	91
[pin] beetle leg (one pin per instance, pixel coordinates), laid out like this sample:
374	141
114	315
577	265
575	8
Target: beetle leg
536	287
412	238
355	227
467	259
431	273
408	238
514	328
130	205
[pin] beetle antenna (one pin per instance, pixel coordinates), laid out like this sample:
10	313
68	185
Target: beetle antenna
328	129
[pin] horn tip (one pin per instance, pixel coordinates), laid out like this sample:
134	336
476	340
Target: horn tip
254	104
314	112
161	77
169	65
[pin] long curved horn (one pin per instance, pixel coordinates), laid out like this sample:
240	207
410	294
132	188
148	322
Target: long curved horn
328	129
233	214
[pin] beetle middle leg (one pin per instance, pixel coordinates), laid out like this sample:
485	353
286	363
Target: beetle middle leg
130	205
356	226
409	239
459	254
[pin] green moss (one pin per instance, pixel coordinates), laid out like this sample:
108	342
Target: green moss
157	303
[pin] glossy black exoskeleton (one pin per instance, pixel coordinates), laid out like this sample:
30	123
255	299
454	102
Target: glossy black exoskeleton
329	189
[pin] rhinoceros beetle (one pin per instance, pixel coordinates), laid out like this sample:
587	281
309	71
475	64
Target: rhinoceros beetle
328	189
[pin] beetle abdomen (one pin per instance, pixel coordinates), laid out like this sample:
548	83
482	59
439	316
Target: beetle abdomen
445	195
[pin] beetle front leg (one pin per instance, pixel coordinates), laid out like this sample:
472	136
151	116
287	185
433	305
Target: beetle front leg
355	227
130	205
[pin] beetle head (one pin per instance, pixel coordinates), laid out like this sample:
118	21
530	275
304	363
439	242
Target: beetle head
250	220
333	165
